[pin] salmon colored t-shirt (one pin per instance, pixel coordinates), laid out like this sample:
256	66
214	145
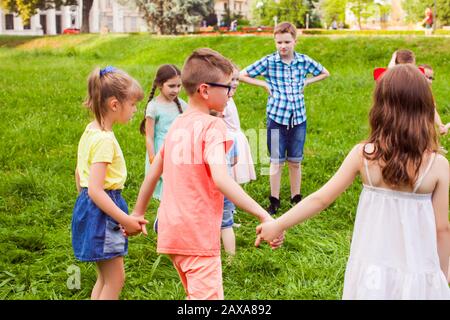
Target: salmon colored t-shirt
190	213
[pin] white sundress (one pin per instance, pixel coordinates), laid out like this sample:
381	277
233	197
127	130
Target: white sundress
244	170
393	253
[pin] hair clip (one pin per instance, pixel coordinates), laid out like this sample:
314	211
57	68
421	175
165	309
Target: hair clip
378	72
106	70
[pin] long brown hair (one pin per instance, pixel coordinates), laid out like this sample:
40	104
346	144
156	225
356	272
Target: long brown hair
164	73
402	124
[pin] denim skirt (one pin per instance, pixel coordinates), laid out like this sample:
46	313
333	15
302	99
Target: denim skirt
95	235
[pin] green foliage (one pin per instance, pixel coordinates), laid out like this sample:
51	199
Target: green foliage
293	11
333	9
362	9
166	16
42	88
415	10
443	12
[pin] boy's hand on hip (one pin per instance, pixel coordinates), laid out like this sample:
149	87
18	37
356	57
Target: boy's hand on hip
267	87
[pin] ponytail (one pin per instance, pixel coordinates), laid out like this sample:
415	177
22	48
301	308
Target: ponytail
94	99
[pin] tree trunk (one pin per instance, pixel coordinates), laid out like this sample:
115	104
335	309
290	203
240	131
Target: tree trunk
87	5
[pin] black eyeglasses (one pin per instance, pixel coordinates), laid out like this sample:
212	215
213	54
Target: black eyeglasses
229	87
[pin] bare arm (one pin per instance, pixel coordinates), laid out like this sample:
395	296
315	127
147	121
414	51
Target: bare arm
77	180
323	75
244	77
393	58
148	186
150	138
104	202
437	119
230	188
317	201
440	206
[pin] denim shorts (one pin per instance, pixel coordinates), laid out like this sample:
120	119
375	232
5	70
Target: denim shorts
285	142
229	209
95	235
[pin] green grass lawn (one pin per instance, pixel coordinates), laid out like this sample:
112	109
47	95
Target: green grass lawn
42	87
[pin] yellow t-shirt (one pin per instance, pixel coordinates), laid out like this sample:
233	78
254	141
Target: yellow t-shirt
101	146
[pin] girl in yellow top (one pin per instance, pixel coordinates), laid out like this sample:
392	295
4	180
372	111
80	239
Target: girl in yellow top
100	211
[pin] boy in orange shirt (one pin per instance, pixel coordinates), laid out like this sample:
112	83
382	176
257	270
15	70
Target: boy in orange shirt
193	162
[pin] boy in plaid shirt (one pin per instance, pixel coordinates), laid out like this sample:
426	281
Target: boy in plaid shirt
285	72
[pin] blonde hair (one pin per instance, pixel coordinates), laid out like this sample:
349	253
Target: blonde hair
204	65
106	83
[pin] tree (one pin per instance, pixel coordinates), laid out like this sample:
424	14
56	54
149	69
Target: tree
312	8
333	9
87	5
415	10
285	10
443	12
166	16
384	8
362	9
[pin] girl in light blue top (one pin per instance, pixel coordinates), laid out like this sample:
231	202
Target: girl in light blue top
160	112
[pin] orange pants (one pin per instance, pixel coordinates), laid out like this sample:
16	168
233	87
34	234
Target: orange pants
201	276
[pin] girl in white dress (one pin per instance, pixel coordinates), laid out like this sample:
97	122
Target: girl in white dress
401	239
244	170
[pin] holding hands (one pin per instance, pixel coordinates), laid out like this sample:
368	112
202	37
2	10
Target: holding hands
135	224
271	232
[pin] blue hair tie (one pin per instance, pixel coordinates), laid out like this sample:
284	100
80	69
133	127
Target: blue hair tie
106	70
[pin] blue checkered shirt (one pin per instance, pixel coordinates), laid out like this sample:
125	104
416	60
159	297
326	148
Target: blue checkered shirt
286	106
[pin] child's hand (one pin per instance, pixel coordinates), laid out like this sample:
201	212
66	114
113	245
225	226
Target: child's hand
270	232
393	58
267	87
306	83
143	224
276	243
134	225
443	129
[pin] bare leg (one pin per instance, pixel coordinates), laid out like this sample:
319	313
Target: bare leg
229	241
113	275
295	177
448	276
275	179
98	285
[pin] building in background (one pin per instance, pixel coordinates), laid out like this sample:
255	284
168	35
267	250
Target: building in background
105	15
235	7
